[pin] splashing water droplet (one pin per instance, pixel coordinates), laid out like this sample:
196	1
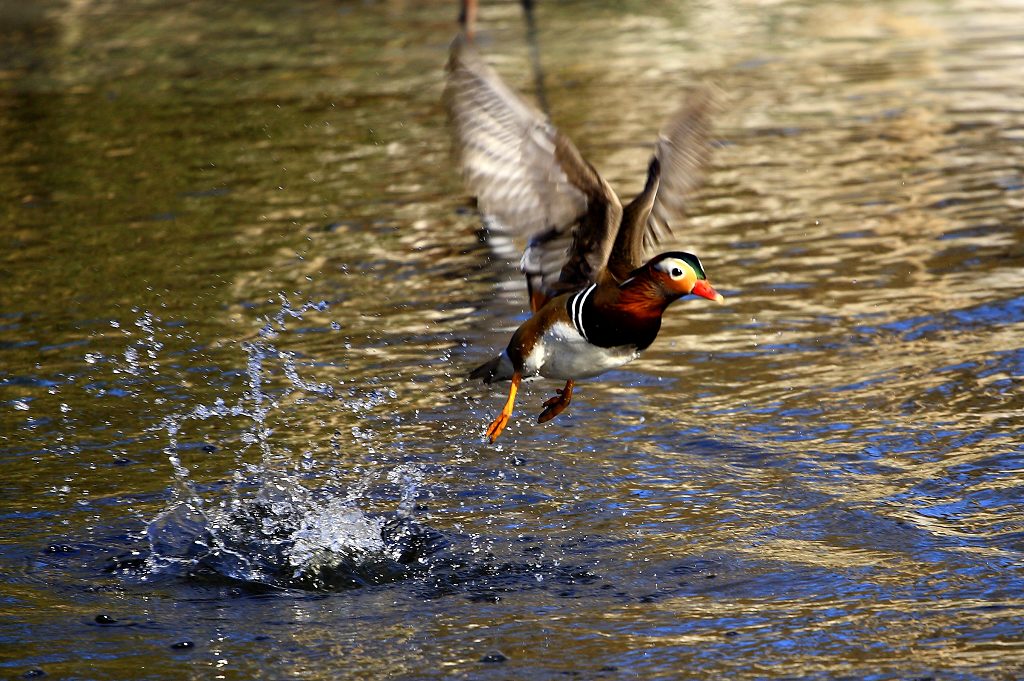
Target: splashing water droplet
267	526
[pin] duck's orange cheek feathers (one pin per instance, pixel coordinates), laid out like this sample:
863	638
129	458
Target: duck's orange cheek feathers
680	287
690	281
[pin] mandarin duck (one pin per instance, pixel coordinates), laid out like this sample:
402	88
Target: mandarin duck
596	303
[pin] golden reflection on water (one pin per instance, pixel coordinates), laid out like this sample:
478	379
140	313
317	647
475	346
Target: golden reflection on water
838	445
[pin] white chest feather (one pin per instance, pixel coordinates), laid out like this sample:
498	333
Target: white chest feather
563	353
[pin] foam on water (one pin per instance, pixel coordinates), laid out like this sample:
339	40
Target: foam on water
276	524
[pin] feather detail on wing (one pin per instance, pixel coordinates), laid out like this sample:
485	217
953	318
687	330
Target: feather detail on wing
683	150
528	178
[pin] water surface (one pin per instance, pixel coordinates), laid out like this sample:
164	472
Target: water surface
242	283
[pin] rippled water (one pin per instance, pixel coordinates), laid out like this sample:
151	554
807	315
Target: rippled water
241	283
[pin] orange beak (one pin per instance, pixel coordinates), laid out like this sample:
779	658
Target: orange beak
703	289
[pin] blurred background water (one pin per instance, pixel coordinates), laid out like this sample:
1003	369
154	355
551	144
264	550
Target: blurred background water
241	284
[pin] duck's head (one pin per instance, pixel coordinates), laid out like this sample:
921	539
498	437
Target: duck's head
678	274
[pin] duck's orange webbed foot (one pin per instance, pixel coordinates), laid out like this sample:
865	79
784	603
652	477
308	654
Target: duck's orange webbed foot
501	420
497	425
557	404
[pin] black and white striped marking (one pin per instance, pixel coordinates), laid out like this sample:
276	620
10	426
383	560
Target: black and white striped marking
576	304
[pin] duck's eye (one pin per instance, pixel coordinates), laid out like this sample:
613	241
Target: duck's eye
676	273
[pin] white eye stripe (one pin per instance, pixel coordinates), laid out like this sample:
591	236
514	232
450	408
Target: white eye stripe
690	263
674	268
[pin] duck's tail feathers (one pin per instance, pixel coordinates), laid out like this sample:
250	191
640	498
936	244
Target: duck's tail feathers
497	369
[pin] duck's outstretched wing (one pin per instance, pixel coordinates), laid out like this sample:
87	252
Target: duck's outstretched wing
680	157
529	179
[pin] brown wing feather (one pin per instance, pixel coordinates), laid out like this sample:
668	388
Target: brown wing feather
681	153
628	252
684	150
528	177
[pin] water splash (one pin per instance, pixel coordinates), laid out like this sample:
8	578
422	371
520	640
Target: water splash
273	525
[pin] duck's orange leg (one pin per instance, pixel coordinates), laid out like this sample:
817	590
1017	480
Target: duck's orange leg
499	423
557	404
